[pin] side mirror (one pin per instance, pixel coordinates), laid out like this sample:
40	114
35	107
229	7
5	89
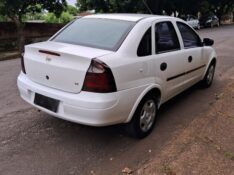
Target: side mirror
208	42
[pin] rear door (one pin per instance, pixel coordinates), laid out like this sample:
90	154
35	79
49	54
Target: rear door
193	52
169	61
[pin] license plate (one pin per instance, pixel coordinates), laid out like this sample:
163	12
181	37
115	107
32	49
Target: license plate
46	102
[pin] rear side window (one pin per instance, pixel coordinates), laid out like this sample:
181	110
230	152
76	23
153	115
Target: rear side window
145	46
190	38
166	39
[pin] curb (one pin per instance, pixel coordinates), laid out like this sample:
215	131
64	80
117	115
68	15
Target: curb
9	57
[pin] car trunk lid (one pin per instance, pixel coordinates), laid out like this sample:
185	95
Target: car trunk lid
59	65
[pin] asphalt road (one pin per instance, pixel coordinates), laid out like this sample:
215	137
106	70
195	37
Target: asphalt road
32	142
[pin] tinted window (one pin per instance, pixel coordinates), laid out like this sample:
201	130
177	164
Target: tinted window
97	33
145	46
165	37
190	38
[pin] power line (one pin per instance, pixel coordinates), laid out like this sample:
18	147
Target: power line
146	5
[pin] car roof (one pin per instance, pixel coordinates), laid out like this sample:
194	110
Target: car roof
126	17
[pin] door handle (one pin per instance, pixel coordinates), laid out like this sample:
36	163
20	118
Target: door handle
190	59
163	66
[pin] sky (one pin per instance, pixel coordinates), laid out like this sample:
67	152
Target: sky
71	2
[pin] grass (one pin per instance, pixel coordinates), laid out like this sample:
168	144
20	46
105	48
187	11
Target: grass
167	170
229	155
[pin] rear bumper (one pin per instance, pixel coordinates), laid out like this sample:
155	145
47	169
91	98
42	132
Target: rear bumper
85	108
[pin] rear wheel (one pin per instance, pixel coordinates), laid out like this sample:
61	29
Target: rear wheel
144	118
208	79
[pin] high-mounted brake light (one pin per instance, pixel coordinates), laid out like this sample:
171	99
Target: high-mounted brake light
22	63
49	53
99	78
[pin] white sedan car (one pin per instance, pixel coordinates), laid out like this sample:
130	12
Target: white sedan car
192	21
110	69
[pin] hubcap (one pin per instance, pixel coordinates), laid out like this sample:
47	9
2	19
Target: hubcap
148	113
210	75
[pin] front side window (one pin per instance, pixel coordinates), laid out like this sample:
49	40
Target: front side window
145	46
190	38
166	39
97	33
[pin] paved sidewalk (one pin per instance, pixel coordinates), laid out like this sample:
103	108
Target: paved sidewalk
9	55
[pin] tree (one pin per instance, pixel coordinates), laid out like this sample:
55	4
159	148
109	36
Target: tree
156	6
17	9
2	18
64	18
133	6
219	8
204	7
112	6
72	10
82	5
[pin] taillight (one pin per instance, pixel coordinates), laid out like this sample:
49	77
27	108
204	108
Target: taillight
22	63
99	78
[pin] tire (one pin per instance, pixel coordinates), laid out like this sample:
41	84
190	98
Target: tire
208	79
144	118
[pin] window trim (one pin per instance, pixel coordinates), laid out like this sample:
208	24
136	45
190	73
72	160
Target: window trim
179	22
150	28
168	51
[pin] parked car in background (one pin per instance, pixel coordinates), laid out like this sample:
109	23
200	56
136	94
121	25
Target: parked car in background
192	21
209	21
102	70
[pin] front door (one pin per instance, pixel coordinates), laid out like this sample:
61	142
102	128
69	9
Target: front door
193	52
169	60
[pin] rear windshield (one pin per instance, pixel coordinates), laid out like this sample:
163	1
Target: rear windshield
97	33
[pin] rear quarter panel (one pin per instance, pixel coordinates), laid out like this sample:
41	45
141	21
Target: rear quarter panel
129	70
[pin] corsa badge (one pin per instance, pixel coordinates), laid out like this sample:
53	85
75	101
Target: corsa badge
48	59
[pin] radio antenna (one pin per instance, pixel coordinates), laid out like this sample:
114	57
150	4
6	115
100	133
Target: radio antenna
146	5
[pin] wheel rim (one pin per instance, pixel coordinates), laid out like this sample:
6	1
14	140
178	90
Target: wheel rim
210	75
148	113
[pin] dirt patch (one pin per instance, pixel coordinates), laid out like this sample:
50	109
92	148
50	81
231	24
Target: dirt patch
206	146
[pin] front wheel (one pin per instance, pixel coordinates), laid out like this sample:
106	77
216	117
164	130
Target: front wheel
144	118
208	79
